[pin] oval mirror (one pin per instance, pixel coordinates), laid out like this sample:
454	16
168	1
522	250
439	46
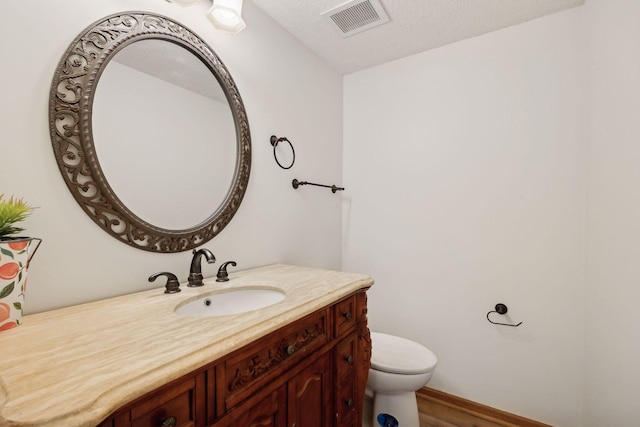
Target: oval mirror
150	132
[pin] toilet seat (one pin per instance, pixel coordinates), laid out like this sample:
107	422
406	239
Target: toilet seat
399	355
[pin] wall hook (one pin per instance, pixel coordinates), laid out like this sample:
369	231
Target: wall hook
501	309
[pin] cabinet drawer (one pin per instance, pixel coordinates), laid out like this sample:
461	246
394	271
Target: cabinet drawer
345	315
346	401
345	354
253	366
178	401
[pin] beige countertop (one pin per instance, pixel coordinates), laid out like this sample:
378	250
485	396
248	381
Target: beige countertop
76	365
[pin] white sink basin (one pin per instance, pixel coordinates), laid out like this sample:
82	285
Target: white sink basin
233	301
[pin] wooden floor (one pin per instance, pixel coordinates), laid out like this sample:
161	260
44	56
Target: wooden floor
438	409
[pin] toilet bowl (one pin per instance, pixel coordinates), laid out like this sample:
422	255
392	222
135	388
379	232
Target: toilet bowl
399	367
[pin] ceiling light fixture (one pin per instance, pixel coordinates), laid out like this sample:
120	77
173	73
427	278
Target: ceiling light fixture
225	15
184	2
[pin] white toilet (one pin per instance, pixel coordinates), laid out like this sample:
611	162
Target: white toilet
399	367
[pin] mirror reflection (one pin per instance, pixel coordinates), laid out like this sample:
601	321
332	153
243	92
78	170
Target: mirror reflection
164	134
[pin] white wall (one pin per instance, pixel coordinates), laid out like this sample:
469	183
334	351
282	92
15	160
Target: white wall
613	133
286	91
465	167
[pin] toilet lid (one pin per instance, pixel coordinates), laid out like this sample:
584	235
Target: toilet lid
400	356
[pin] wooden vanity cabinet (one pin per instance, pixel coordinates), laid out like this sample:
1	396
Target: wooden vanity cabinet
310	373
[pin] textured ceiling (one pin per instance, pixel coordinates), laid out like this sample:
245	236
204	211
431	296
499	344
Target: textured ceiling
415	26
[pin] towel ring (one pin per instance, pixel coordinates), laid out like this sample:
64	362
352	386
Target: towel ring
275	141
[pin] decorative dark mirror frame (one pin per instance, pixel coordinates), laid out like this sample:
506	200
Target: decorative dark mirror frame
70	122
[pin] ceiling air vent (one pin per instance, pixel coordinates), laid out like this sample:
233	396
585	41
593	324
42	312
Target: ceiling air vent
356	16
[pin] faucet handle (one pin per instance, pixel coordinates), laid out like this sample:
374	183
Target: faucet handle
172	286
223	276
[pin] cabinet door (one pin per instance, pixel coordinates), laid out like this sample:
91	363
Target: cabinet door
269	412
309	397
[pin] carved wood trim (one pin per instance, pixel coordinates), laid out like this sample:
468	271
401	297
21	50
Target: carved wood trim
261	363
364	334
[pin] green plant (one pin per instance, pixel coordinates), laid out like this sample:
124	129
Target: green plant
12	211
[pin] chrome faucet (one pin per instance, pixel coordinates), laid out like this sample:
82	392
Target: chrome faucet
195	272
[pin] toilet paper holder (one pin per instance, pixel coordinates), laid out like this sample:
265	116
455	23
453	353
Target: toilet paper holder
501	309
